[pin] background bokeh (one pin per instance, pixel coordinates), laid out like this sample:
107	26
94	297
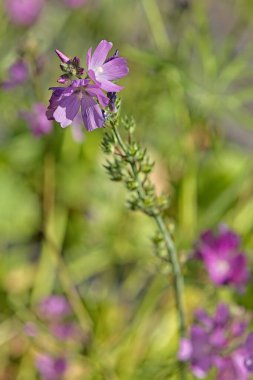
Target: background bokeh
190	92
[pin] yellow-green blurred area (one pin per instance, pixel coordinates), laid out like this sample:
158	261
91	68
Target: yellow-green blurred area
190	91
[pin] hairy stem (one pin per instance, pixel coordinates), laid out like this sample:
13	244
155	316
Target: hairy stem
170	246
178	278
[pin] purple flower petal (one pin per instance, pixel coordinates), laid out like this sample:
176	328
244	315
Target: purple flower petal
222	315
88	57
96	92
218	268
222	260
91	113
185	350
228	240
62	56
239	328
239	271
201	368
60	117
203	318
218	338
109	86
67	110
238	358
92	75
227	371
248	362
113	69
72	105
57	94
249	343
100	54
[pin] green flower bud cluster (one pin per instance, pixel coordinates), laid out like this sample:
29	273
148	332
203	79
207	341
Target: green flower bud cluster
131	164
72	67
160	247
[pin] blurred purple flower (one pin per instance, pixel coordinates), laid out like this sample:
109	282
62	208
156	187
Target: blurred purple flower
65	331
213	343
18	74
24	12
66	102
225	264
74	3
248	362
54	307
102	71
37	120
51	368
232	368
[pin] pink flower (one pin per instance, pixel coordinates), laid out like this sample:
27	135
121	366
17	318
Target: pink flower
214	342
66	102
54	307
24	12
18	74
221	255
74	3
102	71
86	96
51	368
37	120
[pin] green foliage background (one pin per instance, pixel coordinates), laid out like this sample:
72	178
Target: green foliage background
190	91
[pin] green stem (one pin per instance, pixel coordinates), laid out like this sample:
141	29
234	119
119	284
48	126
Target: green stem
170	246
119	139
178	278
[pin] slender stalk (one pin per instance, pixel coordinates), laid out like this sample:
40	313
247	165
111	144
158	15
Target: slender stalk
170	247
178	278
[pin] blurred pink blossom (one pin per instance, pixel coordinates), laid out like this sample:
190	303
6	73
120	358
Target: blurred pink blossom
37	120
18	74
24	12
74	3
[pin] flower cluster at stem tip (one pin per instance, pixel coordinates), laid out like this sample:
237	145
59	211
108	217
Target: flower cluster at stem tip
89	92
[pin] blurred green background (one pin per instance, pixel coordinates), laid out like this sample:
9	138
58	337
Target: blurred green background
190	91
